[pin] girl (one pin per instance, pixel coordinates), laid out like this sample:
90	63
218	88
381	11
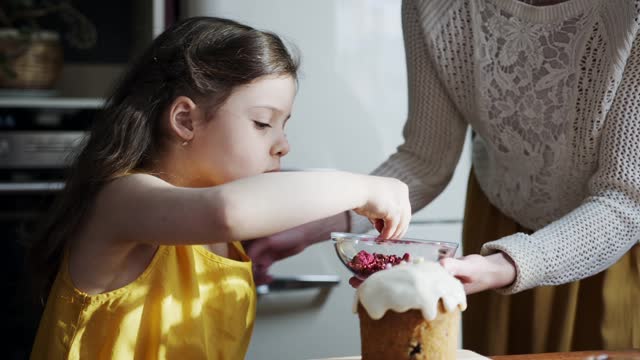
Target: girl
141	257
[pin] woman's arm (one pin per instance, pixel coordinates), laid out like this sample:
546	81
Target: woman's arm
434	131
601	230
143	208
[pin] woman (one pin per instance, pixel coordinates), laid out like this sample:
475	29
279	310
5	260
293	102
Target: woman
552	92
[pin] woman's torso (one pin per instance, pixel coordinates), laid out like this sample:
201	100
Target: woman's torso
536	84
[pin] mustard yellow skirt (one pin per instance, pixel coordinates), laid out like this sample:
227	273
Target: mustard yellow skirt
598	313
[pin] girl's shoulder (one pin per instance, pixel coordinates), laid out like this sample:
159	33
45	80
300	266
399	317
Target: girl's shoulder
129	184
131	191
134	179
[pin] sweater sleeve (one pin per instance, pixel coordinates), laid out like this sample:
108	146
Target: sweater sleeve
607	223
434	132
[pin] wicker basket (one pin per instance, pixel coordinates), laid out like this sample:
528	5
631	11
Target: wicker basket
33	62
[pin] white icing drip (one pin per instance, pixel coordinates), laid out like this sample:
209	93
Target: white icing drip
410	286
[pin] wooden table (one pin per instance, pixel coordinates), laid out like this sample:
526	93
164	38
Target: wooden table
575	355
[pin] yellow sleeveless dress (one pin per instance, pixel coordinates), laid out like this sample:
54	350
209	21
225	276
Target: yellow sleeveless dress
189	303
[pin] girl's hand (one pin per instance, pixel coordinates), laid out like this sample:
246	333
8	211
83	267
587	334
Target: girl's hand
387	206
478	273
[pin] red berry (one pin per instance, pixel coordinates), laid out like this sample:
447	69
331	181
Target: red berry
365	264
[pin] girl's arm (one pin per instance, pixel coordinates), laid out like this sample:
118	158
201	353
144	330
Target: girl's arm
143	208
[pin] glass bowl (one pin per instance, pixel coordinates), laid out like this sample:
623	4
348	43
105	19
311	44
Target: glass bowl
365	254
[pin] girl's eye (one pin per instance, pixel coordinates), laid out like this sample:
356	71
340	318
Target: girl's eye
261	125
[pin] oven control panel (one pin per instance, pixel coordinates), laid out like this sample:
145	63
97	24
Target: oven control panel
35	137
38	149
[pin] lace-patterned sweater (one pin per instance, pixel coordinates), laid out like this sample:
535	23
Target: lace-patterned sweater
553	94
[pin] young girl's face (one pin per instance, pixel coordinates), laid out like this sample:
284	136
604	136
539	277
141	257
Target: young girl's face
246	136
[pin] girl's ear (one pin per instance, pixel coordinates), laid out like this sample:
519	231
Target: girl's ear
183	115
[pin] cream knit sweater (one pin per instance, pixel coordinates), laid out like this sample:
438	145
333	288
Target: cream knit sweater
553	94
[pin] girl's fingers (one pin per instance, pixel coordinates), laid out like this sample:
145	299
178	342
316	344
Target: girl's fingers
390	226
402	221
378	224
397	228
404	226
393	227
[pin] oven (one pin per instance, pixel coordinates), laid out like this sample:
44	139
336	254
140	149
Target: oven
37	139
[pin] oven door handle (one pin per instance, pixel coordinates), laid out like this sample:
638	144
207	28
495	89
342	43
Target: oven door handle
299	283
30	187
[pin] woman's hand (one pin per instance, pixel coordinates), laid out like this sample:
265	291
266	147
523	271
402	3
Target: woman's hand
355	281
387	206
267	250
478	273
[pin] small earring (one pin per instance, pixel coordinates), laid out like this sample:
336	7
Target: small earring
185	143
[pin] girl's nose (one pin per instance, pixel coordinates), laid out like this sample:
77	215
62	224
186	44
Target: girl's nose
281	148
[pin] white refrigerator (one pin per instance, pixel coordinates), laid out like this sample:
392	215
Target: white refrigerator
348	115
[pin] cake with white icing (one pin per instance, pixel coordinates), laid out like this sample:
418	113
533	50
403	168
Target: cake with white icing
410	311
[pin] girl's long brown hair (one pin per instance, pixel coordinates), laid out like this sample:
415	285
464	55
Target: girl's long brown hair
201	57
